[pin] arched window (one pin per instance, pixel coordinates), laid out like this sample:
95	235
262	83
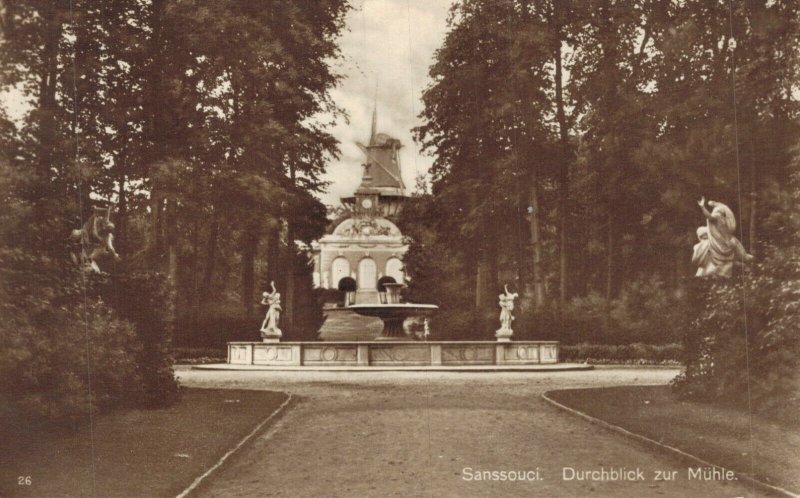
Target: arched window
394	269
367	273
339	269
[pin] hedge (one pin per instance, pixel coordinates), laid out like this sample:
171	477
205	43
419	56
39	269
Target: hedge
636	353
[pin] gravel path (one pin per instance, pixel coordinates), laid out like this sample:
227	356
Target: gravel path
416	433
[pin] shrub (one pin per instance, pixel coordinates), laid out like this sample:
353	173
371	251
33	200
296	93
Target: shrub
743	346
199	355
67	361
64	352
140	298
331	296
636	353
646	311
217	324
449	325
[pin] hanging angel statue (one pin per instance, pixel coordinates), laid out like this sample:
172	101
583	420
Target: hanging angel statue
506	302
93	239
269	329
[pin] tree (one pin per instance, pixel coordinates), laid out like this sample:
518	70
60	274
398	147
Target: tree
175	113
603	162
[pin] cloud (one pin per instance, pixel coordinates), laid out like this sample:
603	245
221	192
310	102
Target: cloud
390	43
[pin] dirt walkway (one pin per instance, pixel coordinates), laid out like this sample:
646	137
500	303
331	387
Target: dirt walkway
427	434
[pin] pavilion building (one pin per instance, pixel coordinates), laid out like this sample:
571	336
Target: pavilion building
367	245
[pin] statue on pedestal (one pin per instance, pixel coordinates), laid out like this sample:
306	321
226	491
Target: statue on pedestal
95	238
506	302
269	329
717	247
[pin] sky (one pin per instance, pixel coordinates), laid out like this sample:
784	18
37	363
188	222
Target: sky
388	46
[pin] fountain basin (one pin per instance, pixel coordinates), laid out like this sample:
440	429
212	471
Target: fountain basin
395	354
393	315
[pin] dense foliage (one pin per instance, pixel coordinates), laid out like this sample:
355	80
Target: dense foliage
61	364
571	141
199	122
744	345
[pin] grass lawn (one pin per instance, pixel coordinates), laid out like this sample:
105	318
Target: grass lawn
136	453
719	435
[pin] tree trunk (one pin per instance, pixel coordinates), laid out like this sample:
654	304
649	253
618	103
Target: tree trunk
156	78
249	249
290	283
609	276
211	259
155	131
195	264
47	90
171	221
610	259
273	253
290	253
491	255
536	246
563	167
121	232
753	196
157	212
480	281
752	227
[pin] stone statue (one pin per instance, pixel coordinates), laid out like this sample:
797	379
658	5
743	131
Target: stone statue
717	247
269	329
506	301
95	238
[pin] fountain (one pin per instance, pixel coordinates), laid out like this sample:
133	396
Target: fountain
363	258
393	349
393	312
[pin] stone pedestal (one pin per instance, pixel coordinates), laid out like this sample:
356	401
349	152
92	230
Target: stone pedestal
393	329
503	335
271	335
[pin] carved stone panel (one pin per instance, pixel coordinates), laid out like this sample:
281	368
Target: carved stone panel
330	355
549	353
240	355
468	354
399	355
521	353
272	355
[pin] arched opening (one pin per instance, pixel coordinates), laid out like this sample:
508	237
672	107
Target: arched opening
339	270
381	289
348	286
367	274
394	269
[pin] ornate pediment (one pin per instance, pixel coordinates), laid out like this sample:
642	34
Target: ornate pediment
366	227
